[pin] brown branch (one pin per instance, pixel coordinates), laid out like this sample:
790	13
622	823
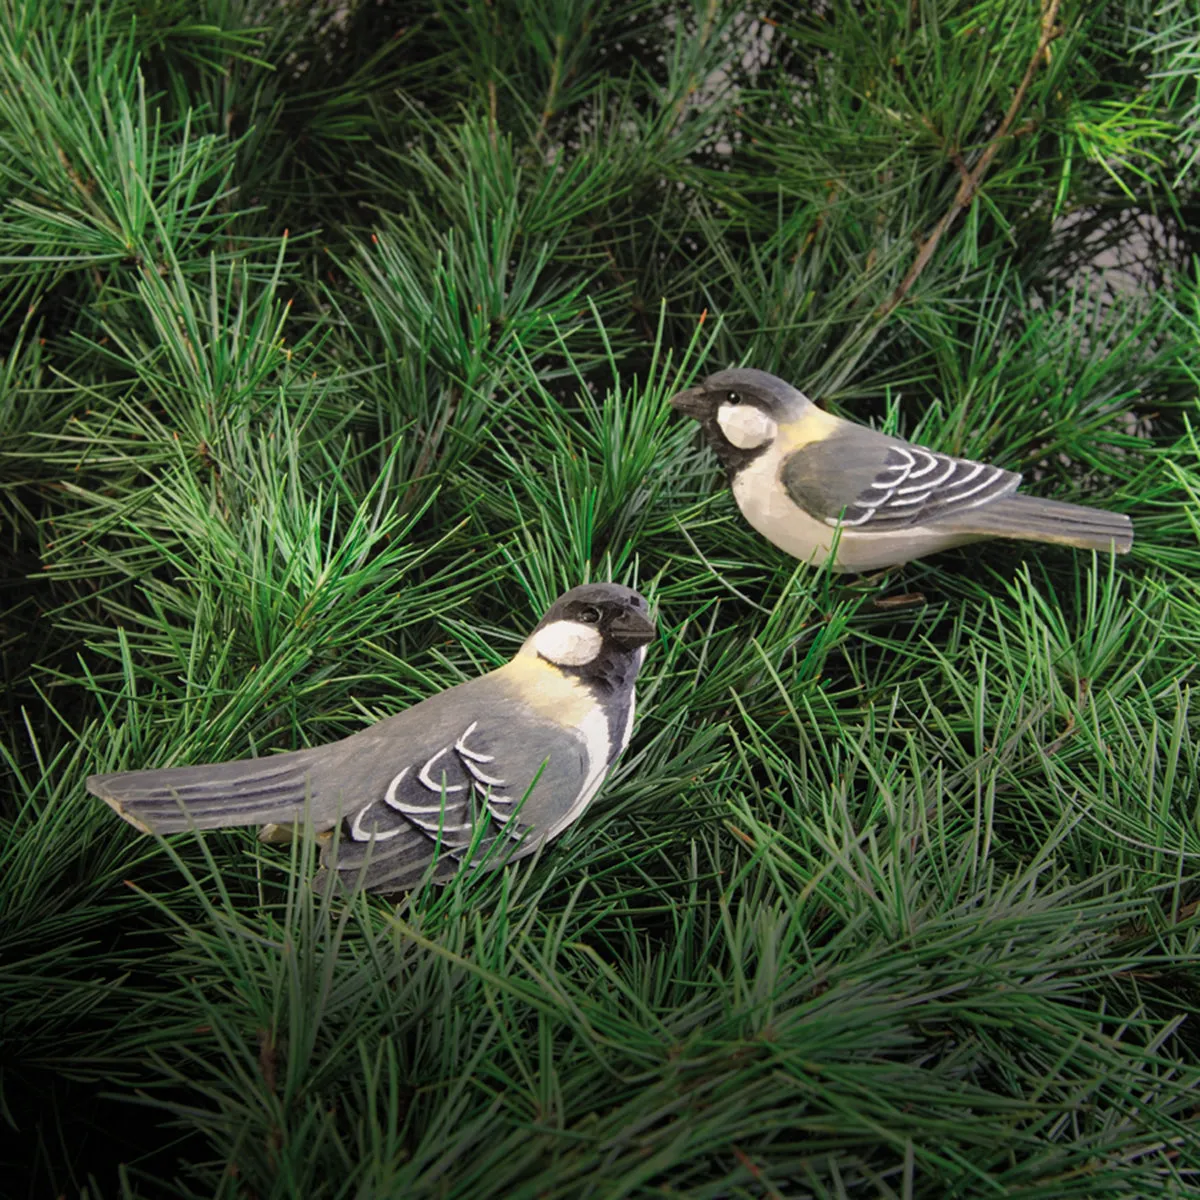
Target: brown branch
756	1173
492	106
706	30
970	182
433	440
267	1060
551	104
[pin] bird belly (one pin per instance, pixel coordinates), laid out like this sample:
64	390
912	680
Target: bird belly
769	509
598	749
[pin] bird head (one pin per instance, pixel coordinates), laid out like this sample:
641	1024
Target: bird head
598	631
740	411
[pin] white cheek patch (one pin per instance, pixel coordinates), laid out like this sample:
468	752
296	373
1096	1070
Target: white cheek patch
746	426
568	643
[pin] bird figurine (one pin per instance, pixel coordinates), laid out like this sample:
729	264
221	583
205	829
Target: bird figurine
478	775
800	475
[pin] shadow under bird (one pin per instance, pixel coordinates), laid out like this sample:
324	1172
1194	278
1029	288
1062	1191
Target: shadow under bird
480	774
800	474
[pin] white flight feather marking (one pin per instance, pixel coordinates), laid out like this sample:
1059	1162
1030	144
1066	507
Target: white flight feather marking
834	522
504	819
930	464
924	490
425	778
466	752
389	797
902	467
482	778
930	485
359	834
979	487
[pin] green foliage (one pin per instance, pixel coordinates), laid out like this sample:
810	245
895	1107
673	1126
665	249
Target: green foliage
336	340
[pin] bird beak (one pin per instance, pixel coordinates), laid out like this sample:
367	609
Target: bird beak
694	402
630	629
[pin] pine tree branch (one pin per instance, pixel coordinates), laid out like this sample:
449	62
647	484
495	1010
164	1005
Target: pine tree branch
972	180
223	548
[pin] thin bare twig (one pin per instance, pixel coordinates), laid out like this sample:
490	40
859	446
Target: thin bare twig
432	441
492	106
705	32
971	181
551	104
756	1172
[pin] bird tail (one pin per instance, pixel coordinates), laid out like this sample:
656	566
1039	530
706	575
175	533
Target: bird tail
1030	518
253	791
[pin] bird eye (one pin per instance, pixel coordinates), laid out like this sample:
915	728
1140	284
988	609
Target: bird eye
734	398
590	616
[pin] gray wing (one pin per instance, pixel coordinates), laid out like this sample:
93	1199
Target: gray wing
509	776
873	483
486	796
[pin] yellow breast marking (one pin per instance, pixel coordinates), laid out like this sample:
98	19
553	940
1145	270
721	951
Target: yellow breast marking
547	690
815	426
